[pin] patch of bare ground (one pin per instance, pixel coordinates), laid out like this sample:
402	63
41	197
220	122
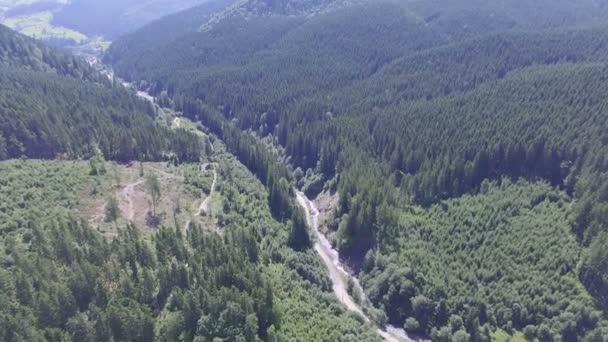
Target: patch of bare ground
327	204
178	204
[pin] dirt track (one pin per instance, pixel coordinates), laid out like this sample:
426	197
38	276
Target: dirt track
127	194
204	206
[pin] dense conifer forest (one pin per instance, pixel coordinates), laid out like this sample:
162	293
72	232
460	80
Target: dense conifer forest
465	141
246	274
457	149
113	18
63	280
53	104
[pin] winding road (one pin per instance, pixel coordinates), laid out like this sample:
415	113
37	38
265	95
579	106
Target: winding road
204	207
340	277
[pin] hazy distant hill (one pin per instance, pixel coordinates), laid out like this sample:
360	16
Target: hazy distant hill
114	17
87	25
156	35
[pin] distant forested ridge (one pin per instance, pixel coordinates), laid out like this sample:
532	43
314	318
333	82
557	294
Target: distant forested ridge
19	51
113	18
421	111
54	104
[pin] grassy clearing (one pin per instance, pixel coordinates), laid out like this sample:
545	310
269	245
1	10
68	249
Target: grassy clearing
39	26
94	45
175	121
68	189
181	194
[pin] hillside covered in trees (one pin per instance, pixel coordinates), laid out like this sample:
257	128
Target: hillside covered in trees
85	25
465	132
113	18
63	280
244	274
53	104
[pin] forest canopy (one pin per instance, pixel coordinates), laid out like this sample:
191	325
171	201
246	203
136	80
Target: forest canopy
417	112
53	104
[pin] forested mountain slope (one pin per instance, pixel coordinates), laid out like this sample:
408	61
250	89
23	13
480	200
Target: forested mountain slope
85	26
263	8
462	66
19	51
421	112
451	20
238	271
152	37
62	280
54	104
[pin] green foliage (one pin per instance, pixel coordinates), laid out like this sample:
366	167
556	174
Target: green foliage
61	280
53	104
113	18
153	186
97	162
461	336
594	272
33	189
299	237
154	36
461	252
17	50
112	211
467	139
